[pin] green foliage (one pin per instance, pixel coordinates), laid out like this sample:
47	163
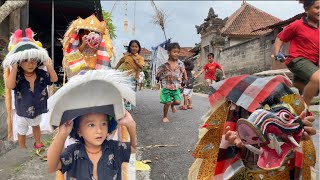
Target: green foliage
2	87
108	19
218	75
146	72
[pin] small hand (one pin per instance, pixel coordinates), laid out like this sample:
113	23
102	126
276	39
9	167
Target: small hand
48	62
195	77
134	59
223	77
84	39
308	129
280	56
15	66
233	138
127	120
66	128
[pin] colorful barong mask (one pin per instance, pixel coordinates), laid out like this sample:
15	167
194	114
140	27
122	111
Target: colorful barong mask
277	132
99	51
22	46
93	39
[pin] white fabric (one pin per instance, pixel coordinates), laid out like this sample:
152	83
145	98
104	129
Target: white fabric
187	92
23	123
159	57
94	88
141	77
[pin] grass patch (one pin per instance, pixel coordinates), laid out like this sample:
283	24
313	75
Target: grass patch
18	169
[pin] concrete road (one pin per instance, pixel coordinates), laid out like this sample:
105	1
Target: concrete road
181	132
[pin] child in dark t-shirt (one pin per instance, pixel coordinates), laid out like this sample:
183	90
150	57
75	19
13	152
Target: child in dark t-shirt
93	157
30	89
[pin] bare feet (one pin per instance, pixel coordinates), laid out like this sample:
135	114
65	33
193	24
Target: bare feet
165	120
174	110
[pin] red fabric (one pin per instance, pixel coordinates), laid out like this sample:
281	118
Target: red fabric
304	41
223	165
225	88
210	69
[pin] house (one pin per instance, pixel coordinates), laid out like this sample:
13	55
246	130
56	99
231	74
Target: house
217	33
185	53
147	55
241	24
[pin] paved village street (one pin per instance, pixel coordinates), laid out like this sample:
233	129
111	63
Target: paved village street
169	162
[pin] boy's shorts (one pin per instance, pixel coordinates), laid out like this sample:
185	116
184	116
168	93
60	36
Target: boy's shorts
168	95
302	69
23	123
187	92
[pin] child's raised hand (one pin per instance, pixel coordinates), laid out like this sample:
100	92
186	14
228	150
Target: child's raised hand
84	39
127	120
307	122
15	66
233	138
66	128
48	62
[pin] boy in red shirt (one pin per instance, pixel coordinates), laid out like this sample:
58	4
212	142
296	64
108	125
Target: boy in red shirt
303	61
210	68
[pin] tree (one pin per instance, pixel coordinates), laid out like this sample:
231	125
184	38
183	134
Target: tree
10	6
108	19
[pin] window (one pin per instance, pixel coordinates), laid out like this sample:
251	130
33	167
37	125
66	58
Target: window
206	50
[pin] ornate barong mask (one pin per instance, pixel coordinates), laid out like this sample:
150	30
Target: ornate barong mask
273	133
98	40
93	39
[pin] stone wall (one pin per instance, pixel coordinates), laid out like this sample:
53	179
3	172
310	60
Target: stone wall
249	57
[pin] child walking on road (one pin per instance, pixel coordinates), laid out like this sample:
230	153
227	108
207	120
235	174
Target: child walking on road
170	74
188	89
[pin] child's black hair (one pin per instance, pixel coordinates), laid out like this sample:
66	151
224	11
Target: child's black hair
112	124
172	46
134	41
189	65
271	100
211	54
308	3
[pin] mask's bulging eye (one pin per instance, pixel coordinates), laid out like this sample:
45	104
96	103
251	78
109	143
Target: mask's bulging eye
286	116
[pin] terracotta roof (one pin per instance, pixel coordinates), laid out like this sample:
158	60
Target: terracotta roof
282	23
145	51
246	19
185	52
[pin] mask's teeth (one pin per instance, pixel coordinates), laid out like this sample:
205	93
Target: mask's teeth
293	141
253	149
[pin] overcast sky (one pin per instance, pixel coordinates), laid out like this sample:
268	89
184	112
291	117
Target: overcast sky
182	18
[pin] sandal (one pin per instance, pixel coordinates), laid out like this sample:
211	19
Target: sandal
39	146
183	108
189	107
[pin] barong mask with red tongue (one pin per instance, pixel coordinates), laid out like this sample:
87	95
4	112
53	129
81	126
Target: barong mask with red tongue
277	132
